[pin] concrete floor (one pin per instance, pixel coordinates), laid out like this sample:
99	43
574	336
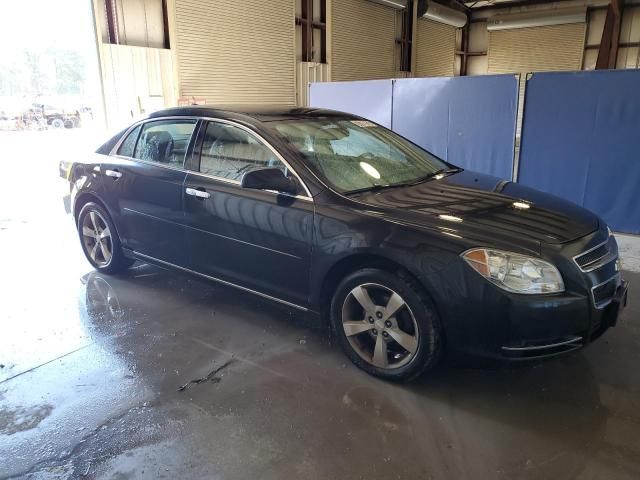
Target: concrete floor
91	368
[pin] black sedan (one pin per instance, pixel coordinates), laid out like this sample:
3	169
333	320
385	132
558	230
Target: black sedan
406	255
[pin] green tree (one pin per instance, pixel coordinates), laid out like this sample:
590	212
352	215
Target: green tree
70	72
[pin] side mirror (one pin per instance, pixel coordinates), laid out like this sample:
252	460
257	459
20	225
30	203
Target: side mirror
269	179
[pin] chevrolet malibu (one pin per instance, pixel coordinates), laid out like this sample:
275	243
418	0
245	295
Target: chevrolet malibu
406	255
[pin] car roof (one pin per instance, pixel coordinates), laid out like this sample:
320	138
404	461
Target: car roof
262	113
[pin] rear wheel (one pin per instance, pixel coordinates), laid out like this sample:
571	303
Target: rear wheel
100	241
385	325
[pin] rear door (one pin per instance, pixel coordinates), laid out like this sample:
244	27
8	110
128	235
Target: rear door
256	239
144	181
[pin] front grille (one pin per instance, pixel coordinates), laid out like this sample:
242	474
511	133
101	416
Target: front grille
592	257
603	293
598	256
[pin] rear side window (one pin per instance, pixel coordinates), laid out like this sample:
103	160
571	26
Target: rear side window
126	147
164	141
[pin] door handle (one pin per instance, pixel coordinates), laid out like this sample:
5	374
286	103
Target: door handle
194	192
113	173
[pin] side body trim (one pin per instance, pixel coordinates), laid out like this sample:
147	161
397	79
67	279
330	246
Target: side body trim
218	280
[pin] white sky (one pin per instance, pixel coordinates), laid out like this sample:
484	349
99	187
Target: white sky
43	23
39	24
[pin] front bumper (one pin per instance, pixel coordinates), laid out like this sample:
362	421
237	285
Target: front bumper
481	319
601	320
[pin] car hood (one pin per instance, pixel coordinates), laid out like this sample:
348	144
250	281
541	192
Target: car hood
476	205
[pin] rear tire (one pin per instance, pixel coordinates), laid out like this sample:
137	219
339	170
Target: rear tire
100	241
386	325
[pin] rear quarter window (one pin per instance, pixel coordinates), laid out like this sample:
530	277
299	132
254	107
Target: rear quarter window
105	148
127	147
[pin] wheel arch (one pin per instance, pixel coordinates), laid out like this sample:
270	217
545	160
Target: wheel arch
357	261
86	197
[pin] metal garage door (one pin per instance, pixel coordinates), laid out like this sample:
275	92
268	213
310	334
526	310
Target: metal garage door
236	52
363	40
534	49
435	49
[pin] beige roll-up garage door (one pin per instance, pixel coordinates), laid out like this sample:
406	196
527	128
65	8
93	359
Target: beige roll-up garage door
555	47
231	51
435	49
363	40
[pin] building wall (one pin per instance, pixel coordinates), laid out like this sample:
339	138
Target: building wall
140	22
363	40
136	81
231	52
556	47
137	75
628	57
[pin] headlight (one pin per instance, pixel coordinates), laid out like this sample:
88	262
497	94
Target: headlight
609	232
514	272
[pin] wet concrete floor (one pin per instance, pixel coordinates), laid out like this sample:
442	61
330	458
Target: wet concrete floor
91	368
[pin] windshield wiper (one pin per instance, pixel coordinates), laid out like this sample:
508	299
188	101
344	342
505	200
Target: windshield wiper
442	171
377	187
374	188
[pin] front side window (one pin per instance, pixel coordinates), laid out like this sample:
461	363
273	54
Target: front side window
353	155
164	141
229	151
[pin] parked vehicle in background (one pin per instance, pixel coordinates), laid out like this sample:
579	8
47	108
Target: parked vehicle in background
40	116
59	117
406	255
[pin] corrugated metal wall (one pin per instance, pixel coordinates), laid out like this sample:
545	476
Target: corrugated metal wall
629	57
232	51
363	40
140	22
435	49
136	81
309	72
549	48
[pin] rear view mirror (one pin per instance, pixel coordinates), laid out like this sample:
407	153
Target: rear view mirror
269	179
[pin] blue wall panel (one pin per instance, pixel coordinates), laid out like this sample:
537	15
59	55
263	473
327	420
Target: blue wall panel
369	99
581	141
468	121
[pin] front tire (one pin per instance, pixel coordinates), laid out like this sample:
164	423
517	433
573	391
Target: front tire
100	241
57	123
386	325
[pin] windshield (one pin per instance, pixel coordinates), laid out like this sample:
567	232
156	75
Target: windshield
357	155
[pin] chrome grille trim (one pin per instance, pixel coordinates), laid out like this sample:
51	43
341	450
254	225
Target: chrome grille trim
606	302
596	263
573	341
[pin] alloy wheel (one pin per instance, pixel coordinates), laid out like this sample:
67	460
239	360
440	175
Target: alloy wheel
380	326
96	236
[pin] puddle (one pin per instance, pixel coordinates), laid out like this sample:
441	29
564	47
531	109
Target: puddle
20	419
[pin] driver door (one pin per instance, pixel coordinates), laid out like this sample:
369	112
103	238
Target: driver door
255	239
